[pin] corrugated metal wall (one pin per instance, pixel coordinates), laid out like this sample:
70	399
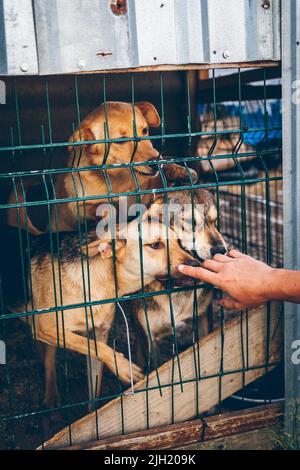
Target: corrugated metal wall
70	37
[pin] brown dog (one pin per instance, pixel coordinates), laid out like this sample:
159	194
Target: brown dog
115	121
194	220
19	217
88	275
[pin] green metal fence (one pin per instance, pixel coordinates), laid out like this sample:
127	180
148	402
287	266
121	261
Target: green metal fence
39	112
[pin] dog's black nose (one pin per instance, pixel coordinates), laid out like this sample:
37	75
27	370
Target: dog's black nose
192	262
218	249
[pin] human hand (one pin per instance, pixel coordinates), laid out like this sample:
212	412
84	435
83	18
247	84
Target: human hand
247	282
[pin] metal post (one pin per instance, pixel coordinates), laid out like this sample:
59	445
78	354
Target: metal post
291	174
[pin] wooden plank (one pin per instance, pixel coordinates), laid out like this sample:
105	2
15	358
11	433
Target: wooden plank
173	436
260	439
175	404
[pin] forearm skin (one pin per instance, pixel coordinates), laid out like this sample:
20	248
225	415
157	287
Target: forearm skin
283	284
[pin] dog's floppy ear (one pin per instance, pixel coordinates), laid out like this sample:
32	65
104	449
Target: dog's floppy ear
92	249
104	247
150	113
84	134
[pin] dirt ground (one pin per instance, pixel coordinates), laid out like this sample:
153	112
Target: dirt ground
22	382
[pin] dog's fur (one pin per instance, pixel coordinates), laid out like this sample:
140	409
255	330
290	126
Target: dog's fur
206	242
111	122
19	217
65	282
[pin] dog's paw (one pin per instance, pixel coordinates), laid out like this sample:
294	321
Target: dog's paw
124	370
174	172
193	175
188	177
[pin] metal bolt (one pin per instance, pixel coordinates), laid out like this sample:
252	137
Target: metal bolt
24	67
226	54
81	64
266	5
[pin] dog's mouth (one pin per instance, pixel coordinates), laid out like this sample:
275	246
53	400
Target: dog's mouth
197	257
150	170
183	282
147	170
163	278
177	280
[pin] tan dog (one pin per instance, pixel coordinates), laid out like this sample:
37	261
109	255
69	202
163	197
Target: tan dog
113	122
203	240
73	286
19	217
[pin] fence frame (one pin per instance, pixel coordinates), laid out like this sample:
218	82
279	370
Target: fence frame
291	178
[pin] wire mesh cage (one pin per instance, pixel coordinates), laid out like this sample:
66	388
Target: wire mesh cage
254	114
73	149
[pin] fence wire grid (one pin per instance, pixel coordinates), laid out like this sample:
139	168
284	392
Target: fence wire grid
225	129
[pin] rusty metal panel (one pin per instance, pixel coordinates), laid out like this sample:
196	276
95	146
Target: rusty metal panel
79	36
240	31
112	34
204	31
18	53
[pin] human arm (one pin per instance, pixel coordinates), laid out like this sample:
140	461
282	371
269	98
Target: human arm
246	281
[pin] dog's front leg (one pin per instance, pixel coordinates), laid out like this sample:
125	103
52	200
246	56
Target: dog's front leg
95	370
51	395
94	378
48	356
115	361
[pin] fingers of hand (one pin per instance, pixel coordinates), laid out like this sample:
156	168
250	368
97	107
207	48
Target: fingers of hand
235	254
222	258
199	273
212	265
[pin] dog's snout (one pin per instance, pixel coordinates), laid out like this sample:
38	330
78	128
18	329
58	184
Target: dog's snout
193	262
218	249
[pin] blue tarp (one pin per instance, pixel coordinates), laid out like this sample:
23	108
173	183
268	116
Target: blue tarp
253	117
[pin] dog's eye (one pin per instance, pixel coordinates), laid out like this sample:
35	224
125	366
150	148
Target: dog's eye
145	131
156	246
